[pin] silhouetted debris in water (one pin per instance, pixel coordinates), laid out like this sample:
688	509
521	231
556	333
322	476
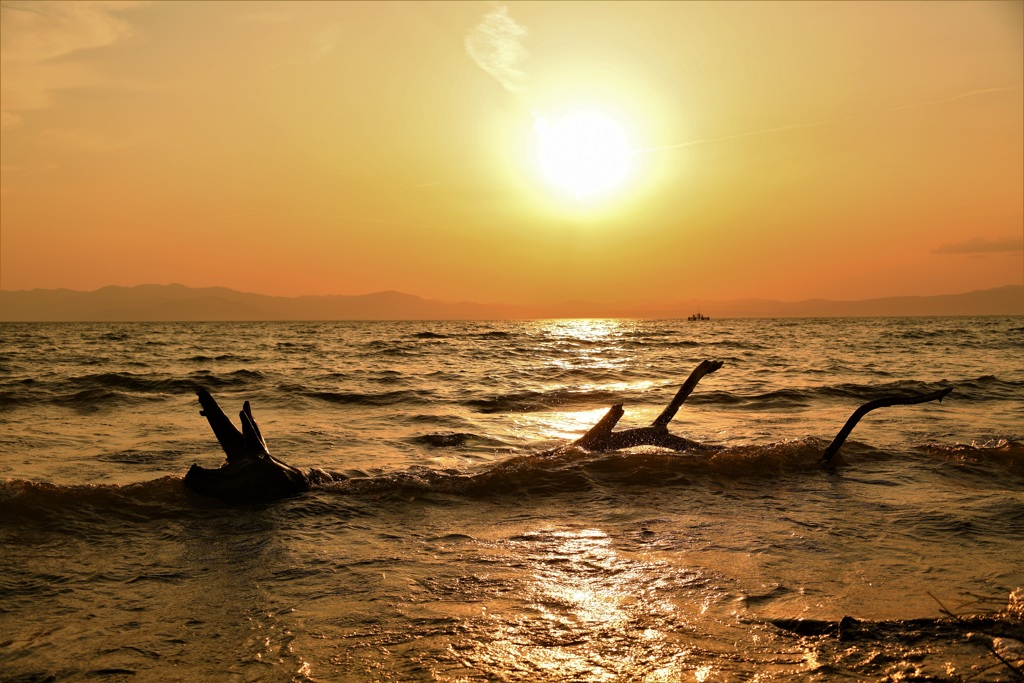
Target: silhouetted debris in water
1000	632
251	474
833	447
600	437
1001	636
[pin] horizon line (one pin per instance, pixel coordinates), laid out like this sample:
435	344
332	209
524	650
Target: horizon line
493	303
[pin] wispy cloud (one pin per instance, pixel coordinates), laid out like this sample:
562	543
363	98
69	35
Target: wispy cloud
265	18
321	44
980	245
33	34
495	44
317	46
82	140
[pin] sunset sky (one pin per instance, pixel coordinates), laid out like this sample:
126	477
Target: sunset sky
776	150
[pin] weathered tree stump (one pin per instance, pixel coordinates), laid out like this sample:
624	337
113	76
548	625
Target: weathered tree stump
250	474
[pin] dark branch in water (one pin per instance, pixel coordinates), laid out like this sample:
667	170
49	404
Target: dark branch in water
982	627
602	431
1009	665
231	440
602	438
251	474
705	368
837	442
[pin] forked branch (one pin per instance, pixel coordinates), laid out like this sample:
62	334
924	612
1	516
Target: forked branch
600	437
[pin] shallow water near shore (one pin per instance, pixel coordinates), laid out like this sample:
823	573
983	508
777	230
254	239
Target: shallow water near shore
453	553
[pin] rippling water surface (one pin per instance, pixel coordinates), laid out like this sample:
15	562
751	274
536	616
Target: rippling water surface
454	553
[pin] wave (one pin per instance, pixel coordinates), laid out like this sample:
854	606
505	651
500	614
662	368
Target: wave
92	400
385	398
107	390
456	440
489	334
573	470
536	401
220	358
163	384
110	390
576	470
85	401
1003	454
294	345
443	439
43	504
568	471
986	388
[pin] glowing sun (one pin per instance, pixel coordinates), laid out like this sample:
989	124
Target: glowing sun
584	152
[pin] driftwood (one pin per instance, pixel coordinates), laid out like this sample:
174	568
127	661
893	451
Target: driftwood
833	447
251	474
600	437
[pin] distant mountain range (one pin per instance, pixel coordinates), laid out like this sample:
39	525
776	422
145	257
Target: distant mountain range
181	303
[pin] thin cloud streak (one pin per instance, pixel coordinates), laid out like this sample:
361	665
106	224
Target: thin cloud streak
224	217
980	245
363	219
826	122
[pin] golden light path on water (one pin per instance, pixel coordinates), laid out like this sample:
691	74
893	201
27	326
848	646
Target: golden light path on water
560	425
596	615
583	329
569	424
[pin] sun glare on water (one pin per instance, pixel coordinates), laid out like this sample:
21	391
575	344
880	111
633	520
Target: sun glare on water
585	153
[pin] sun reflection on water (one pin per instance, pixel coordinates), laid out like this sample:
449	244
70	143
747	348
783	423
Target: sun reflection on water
565	426
702	673
593	615
586	329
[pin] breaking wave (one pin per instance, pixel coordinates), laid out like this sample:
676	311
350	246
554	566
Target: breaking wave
567	471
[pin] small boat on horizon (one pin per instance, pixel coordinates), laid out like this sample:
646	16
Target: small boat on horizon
698	316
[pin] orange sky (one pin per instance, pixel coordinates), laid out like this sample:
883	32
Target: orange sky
782	150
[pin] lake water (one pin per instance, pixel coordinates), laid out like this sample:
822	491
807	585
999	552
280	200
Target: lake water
454	553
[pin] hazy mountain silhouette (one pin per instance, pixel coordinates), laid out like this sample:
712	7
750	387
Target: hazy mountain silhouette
181	303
